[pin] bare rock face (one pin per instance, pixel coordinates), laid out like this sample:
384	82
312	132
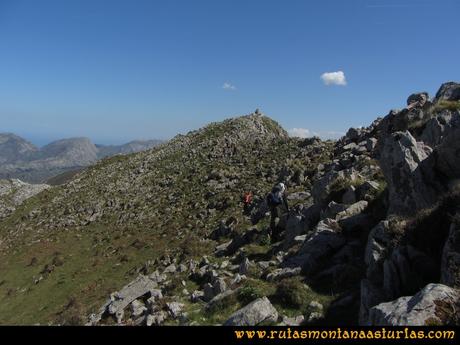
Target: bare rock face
377	248
401	157
439	126
324	242
406	269
14	192
418	99
322	188
448	92
435	304
258	311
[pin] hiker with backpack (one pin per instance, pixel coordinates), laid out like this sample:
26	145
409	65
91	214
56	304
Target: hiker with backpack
279	211
247	202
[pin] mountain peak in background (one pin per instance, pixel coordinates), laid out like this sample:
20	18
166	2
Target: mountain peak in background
21	159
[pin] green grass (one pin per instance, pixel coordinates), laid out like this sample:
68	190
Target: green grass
292	297
92	268
446	105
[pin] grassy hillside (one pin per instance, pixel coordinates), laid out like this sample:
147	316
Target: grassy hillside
64	250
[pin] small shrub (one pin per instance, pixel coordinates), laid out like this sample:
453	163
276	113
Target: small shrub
339	186
250	292
447	105
293	293
448	314
58	259
193	247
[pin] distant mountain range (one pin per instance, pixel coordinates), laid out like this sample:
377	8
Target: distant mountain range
21	159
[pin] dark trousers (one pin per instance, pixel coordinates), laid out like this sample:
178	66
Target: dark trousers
277	223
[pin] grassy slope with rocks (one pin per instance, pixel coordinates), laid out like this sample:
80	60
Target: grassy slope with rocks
64	250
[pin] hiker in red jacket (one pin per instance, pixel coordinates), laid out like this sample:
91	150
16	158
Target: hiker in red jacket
247	201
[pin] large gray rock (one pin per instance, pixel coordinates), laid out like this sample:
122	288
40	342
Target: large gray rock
244	266
406	269
400	160
436	304
283	273
175	309
292	321
258	311
354	134
295	226
352	210
440	126
137	308
141	286
156	319
448	92
322	187
377	249
321	245
418	99
332	209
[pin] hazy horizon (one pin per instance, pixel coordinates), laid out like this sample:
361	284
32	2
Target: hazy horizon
115	71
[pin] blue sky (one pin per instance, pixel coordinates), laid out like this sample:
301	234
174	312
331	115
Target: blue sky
117	70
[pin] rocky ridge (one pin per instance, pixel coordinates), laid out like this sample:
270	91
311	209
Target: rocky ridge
372	231
367	232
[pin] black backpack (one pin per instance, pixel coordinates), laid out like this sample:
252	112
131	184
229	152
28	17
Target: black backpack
272	201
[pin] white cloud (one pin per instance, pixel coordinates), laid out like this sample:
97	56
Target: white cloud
306	133
299	132
329	135
334	78
228	86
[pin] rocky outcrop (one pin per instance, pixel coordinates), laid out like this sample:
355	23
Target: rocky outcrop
324	241
255	313
14	192
435	304
417	99
136	289
324	186
439	126
448	92
401	161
